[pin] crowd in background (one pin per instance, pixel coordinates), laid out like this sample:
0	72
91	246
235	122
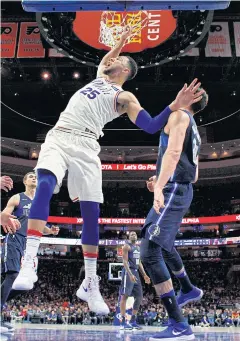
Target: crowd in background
127	201
53	298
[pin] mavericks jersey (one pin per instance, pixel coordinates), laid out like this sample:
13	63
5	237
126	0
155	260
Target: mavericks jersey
22	213
92	107
187	165
133	256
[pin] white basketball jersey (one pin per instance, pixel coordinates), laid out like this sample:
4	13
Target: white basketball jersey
92	106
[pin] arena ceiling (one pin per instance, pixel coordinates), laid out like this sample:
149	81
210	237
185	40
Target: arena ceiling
25	91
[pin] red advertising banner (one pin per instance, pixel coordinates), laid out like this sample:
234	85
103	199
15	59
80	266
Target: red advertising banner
128	167
30	44
141	221
8	39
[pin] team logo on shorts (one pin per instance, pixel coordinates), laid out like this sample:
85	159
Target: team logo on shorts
154	230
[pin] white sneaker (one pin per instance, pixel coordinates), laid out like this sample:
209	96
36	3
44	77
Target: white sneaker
25	279
89	292
82	292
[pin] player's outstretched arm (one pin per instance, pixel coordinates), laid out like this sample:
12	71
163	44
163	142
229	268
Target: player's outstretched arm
8	221
129	104
12	203
115	52
54	230
178	124
145	276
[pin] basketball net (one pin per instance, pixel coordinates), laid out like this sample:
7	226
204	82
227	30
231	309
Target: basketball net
112	25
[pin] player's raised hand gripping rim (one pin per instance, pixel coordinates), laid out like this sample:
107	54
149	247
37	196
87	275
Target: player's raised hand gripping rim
127	31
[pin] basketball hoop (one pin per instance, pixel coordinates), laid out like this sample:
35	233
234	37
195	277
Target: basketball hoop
112	25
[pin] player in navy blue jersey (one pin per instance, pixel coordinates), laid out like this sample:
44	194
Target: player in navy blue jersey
15	244
177	169
8	221
131	282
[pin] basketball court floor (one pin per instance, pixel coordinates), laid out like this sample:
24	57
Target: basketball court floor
31	332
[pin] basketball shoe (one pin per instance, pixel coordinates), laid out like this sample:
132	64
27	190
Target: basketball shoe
193	296
89	292
27	275
175	332
125	325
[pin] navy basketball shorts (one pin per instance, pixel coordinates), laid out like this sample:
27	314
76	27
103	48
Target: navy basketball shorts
129	288
12	253
162	228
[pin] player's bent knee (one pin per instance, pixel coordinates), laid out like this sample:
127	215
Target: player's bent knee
46	184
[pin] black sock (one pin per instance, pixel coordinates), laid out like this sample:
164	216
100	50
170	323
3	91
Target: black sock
170	303
133	318
6	286
186	285
15	293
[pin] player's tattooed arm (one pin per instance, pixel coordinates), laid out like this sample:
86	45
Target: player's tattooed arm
176	129
115	52
126	248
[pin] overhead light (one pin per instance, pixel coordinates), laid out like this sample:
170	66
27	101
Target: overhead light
76	75
199	33
192	42
45	75
234	93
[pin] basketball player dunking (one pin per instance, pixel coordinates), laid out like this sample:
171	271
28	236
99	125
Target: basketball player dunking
131	283
15	243
177	168
72	145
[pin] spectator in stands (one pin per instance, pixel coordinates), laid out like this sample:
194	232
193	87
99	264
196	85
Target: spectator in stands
205	322
51	317
210	316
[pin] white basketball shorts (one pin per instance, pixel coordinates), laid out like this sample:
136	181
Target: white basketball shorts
78	154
